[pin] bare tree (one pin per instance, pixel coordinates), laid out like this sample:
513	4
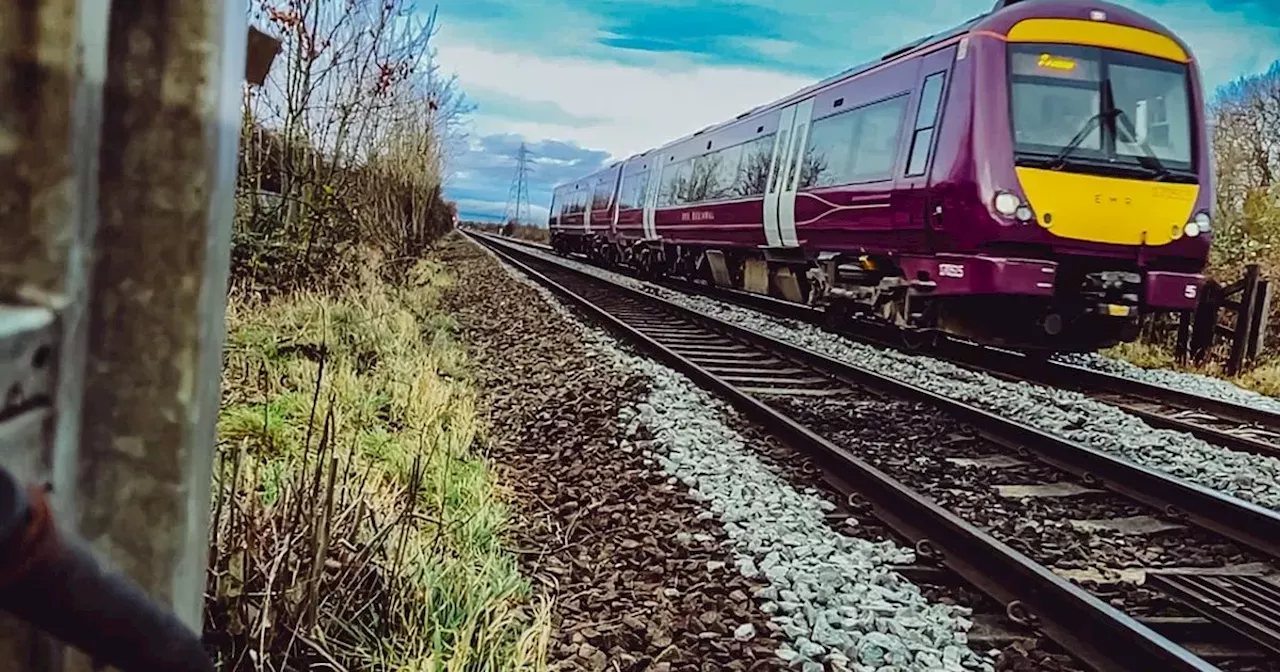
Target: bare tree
1245	117
352	134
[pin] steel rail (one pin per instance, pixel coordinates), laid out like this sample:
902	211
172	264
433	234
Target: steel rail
1246	523
1093	631
1011	365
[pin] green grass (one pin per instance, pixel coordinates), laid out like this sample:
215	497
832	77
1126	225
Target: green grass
376	469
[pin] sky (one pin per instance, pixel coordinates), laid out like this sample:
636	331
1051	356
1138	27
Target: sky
587	82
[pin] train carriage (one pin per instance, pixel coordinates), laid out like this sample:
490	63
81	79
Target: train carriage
1038	177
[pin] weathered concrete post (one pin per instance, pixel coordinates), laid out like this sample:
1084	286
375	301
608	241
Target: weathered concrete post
119	125
52	68
170	128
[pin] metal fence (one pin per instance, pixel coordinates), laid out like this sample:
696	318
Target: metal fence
119	123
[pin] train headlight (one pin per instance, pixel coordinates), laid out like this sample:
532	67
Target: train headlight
1192	229
1007	204
1024	214
1203	222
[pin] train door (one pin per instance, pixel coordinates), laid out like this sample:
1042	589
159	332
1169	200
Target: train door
914	204
616	203
651	197
784	175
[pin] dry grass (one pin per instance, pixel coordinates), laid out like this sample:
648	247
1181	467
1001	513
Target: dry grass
355	525
1262	377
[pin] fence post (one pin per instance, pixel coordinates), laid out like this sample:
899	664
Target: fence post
1183	344
1204	321
1261	317
1244	319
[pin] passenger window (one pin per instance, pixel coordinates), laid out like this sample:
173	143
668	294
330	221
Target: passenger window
877	141
919	151
603	194
753	170
641	190
726	162
926	121
675	183
859	145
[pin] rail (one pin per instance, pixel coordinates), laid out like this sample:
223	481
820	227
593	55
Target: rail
1097	633
1128	393
118	177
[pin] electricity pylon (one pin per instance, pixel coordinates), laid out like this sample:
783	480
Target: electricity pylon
518	198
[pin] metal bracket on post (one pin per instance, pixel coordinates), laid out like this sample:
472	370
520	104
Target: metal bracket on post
28	346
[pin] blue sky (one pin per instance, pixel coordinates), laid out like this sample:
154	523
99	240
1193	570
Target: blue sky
589	81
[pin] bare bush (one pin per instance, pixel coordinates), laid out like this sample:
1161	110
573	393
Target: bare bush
345	143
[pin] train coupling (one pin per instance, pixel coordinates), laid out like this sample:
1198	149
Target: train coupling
1112	293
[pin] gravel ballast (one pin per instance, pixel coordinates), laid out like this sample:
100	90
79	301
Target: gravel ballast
638	578
1070	414
833	598
1192	383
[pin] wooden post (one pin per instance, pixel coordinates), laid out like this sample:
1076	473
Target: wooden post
1244	318
1181	348
1261	318
1204	325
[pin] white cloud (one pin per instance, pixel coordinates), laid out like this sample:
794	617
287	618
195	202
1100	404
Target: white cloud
632	108
1226	44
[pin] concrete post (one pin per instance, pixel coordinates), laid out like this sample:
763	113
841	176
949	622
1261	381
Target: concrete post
126	242
52	67
171	125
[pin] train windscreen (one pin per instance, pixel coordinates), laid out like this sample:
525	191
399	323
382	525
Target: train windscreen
1102	109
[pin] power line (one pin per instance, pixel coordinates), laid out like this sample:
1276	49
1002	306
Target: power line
518	208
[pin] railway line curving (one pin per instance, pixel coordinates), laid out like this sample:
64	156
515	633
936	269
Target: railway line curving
779	385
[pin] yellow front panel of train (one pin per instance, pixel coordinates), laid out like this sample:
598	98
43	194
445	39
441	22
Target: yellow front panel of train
1108	209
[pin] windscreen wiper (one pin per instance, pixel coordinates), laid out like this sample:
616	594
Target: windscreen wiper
1150	160
1089	124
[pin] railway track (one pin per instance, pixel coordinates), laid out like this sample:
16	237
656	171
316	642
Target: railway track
1207	600
1223	423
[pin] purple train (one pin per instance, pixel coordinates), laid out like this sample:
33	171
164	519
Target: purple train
1038	178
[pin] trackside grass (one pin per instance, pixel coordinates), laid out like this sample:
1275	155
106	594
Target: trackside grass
356	523
1262	377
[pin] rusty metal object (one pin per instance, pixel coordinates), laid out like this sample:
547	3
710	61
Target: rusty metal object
262	52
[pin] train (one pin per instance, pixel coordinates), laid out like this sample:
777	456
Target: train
1037	178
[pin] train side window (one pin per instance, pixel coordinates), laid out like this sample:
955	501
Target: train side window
675	183
926	122
603	194
625	192
859	145
641	189
753	168
876	149
725	172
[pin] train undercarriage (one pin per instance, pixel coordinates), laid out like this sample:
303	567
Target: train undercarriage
1075	310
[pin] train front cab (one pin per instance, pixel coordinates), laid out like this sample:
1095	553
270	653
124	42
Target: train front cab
1096	185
